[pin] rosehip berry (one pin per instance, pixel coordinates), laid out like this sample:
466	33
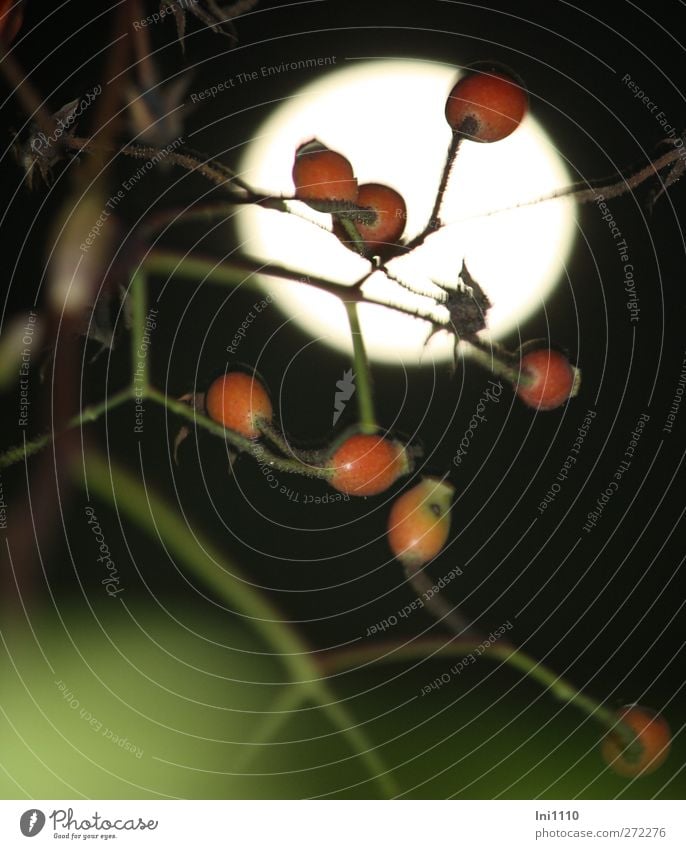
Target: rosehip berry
486	107
549	379
419	522
653	738
239	401
321	174
366	464
391	214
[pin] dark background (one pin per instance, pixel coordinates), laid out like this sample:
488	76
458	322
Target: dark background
604	609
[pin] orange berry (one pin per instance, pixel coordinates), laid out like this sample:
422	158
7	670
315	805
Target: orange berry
391	214
654	739
486	106
366	464
550	379
321	174
419	522
238	401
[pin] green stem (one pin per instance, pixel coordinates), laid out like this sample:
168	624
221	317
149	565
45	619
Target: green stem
341	717
139	364
235	273
144	507
351	230
247	272
561	689
288	700
271	432
88	414
136	500
498	365
441	609
242	443
291	699
363	380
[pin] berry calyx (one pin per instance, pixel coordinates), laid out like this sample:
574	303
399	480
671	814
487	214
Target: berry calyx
548	379
240	402
321	174
391	213
486	106
366	464
419	522
647	753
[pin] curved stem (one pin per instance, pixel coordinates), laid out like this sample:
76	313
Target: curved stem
139	365
142	506
222	211
434	222
351	230
246	273
88	414
441	609
603	189
288	700
498	364
561	689
212	170
237	272
274	435
242	443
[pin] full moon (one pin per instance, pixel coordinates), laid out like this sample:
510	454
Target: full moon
387	118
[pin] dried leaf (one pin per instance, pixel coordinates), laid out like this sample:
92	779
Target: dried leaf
675	172
467	305
195	400
42	151
181	436
218	18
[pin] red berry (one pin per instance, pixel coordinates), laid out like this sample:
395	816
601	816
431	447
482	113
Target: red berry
365	464
419	522
321	174
486	107
653	738
238	401
547	380
391	214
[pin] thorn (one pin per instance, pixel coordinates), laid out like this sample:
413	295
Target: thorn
181	436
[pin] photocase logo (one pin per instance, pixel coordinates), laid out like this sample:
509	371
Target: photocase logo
346	390
32	822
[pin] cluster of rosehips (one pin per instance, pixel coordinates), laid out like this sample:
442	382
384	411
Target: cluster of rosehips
366	218
363	464
359	464
418	526
483	107
370	219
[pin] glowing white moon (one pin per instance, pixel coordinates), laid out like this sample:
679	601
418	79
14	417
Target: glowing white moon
387	117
